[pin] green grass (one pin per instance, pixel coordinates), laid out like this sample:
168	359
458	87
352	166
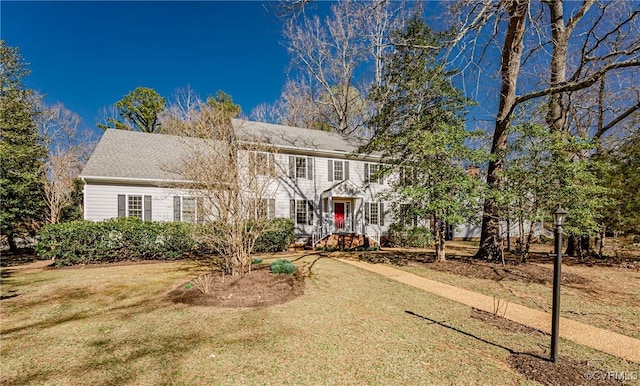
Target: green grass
114	325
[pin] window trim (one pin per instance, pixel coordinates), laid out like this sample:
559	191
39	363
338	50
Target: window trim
196	217
146	206
368	173
308	169
379	205
309	211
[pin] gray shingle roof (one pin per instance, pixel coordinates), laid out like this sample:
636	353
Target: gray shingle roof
133	155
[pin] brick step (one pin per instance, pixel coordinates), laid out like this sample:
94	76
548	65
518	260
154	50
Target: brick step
346	241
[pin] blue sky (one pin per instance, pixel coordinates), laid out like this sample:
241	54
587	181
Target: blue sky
90	54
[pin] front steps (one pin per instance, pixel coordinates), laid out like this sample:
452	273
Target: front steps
346	241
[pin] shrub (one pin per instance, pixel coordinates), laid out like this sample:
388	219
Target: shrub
278	238
85	242
256	261
401	235
282	266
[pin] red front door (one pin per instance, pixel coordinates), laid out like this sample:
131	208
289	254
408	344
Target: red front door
338	216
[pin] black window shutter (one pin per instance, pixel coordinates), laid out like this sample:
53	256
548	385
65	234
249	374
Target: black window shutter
122	205
292	210
309	168
330	169
367	212
346	170
292	166
366	172
381	213
147	208
176	208
309	212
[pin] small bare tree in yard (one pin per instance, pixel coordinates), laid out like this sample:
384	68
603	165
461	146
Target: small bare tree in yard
233	179
68	149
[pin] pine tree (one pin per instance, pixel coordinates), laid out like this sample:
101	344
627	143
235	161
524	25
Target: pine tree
21	152
420	131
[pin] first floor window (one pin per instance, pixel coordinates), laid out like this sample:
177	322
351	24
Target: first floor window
374	213
302	212
134	205
184	209
266	208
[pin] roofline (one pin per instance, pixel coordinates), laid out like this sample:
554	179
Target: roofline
317	152
133	179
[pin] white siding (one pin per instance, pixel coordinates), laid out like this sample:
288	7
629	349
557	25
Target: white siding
101	201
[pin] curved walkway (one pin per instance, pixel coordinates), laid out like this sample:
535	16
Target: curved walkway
618	345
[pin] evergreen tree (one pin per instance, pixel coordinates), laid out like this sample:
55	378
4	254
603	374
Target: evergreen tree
139	110
421	133
21	151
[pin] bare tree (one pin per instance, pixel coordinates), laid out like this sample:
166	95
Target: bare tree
233	180
338	59
564	56
68	148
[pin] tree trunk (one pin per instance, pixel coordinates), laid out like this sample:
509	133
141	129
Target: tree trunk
508	231
490	240
601	244
11	240
527	246
440	243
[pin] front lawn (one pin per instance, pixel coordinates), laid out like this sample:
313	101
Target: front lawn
117	325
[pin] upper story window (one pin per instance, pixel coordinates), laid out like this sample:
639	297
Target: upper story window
301	167
134	206
263	164
371	173
338	170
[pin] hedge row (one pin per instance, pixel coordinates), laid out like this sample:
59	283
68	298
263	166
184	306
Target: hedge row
401	235
87	242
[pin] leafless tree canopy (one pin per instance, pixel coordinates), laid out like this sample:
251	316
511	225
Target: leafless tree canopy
68	148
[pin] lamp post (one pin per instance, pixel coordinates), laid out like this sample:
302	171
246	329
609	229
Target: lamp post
558	216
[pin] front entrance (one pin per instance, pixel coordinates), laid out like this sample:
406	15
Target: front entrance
341	217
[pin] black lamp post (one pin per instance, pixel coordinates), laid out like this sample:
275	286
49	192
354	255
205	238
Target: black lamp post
558	216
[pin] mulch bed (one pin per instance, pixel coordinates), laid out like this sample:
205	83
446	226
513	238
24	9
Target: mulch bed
258	288
564	371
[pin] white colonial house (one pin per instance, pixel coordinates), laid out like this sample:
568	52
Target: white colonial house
325	188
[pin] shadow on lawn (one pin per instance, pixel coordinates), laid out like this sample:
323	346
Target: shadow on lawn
433	321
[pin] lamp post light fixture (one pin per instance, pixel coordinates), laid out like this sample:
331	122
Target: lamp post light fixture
558	216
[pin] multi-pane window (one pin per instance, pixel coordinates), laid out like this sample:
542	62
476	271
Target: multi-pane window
374	213
371	173
263	164
134	206
266	208
185	209
338	170
188	210
301	167
302	212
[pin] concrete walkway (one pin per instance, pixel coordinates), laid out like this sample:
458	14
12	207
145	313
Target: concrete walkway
618	345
